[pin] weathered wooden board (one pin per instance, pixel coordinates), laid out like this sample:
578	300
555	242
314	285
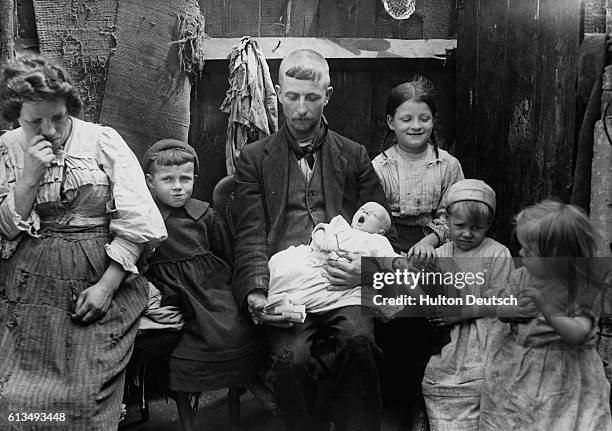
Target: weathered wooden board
244	17
601	172
209	126
601	188
304	18
349	108
329	18
273	18
467	89
491	113
346	18
337	48
437	16
558	44
26	20
516	98
521	94
7	32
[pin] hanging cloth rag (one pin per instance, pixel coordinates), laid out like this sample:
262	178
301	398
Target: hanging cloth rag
250	101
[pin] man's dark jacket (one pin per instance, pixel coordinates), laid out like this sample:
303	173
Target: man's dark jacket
260	199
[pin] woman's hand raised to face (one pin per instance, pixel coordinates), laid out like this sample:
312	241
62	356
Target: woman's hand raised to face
37	158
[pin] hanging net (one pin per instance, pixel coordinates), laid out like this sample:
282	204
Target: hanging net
399	9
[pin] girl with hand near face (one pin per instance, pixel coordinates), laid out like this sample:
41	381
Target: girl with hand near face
546	373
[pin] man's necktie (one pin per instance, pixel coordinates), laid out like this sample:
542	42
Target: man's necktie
309	154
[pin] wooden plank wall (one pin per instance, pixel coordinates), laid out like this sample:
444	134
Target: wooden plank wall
516	99
356	108
324	18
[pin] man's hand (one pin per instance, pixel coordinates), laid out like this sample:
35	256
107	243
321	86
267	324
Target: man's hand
343	274
256	301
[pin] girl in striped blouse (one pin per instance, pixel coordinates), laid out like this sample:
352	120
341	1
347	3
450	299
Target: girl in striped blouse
415	174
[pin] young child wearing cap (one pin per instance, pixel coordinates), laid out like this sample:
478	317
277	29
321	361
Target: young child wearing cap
453	377
192	269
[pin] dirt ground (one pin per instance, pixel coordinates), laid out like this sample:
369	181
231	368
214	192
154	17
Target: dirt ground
213	415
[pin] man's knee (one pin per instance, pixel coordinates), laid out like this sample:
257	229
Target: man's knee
294	357
360	333
361	346
356	324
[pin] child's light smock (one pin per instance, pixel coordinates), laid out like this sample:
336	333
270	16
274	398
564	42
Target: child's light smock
453	377
536	381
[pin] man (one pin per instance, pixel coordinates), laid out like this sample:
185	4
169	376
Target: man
303	175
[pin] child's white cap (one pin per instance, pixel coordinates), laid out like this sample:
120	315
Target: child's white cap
471	190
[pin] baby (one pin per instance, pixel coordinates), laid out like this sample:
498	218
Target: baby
297	284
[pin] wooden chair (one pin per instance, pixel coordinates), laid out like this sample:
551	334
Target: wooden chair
151	348
155	347
223	200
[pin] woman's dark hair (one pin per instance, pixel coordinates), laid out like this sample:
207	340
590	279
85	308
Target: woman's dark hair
419	89
34	78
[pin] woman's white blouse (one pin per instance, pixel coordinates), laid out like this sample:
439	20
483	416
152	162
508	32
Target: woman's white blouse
94	180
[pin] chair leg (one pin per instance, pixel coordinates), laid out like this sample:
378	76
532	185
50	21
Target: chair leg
144	402
234	407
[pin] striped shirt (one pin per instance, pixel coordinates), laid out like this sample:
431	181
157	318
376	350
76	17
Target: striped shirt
415	186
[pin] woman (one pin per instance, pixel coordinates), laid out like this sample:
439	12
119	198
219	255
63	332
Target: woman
75	214
415	175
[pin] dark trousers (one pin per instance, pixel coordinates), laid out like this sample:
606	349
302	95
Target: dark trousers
406	343
355	402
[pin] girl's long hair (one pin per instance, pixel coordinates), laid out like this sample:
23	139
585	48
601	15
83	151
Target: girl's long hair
419	89
566	239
